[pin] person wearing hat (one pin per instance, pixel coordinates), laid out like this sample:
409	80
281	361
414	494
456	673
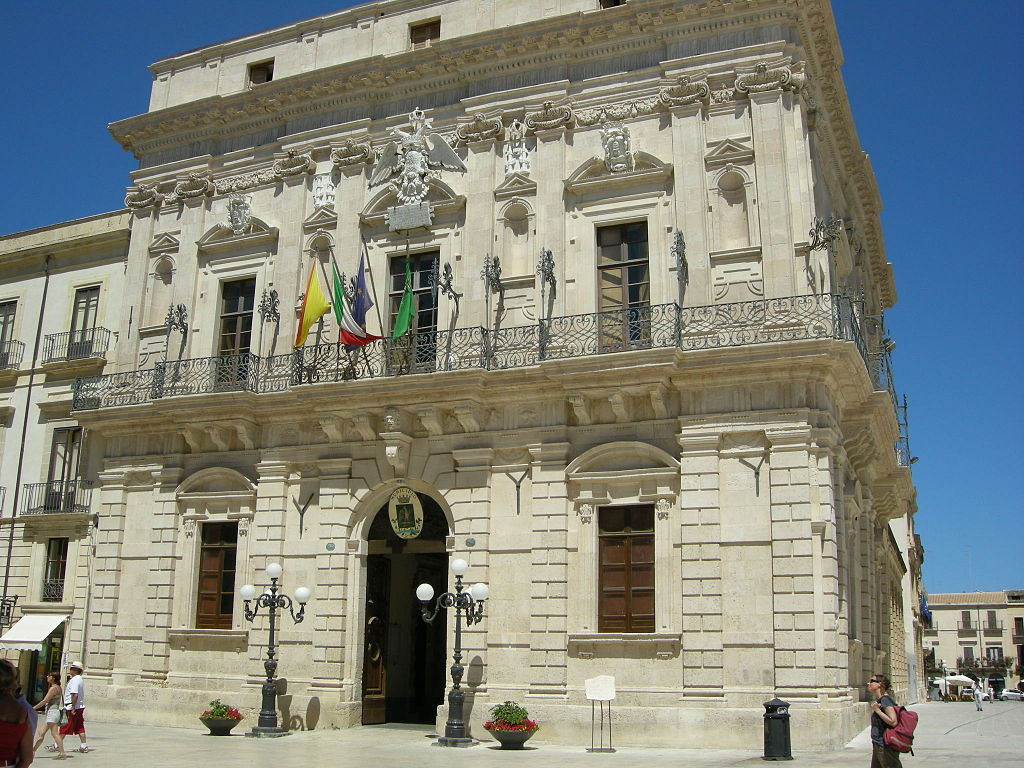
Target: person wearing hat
74	703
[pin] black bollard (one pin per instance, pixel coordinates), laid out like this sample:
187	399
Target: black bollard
776	731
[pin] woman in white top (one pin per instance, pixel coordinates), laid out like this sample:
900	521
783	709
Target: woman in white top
51	702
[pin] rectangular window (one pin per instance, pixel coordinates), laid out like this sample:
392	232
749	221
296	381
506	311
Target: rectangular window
965	619
63	473
1018	626
994	653
624	284
83	322
612	3
216	597
237	301
422	35
968	654
56	563
626	569
8	309
416	352
992	622
262	72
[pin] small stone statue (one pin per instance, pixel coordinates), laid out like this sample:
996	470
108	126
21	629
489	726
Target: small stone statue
517	156
615	138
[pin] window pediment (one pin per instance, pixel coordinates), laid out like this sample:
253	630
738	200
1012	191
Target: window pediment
593	176
221	237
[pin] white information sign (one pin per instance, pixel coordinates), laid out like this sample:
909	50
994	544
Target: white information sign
600	688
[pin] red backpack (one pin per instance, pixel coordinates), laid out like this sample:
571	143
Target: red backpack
901	736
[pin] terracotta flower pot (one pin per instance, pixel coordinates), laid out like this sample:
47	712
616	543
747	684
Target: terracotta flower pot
219	726
511	739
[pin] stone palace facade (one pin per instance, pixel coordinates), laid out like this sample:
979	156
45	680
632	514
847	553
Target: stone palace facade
646	392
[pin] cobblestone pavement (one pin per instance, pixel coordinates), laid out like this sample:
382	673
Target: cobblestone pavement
949	734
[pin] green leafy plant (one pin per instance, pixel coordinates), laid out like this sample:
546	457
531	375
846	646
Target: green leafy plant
222	711
509	716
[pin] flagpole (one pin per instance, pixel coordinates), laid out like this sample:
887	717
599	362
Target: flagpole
373	284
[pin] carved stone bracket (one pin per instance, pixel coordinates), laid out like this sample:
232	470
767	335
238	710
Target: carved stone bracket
363	426
620	406
688	89
142	196
333	427
432	419
770	77
480	129
659	401
469	417
396	451
193	187
293	163
351	152
585	512
550	117
581	409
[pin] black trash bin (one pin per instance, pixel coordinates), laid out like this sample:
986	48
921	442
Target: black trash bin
776	731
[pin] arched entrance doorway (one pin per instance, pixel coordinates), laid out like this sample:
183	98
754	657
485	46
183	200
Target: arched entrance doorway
403	656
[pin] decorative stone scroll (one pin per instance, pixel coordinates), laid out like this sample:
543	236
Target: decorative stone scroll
196	185
246	181
770	77
294	164
142	196
351	152
480	129
610	112
550	117
688	89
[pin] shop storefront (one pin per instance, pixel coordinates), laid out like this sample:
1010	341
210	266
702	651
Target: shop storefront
40	639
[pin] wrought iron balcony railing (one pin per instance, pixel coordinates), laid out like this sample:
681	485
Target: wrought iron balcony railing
794	318
53	590
75	345
11	354
966	626
56	496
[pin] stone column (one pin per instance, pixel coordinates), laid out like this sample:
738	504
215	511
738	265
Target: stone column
691	199
106	573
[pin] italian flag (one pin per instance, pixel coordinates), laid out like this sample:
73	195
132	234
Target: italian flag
352	321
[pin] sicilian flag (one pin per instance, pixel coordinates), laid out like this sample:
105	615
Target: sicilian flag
352	324
314	306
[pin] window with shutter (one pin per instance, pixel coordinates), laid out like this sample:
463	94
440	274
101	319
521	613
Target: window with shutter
626	569
216	595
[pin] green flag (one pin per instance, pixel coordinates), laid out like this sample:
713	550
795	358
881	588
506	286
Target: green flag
403	320
339	297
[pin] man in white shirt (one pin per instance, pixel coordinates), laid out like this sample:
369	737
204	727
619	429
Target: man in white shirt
74	703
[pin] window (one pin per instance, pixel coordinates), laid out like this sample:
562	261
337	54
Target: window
994	653
262	72
612	3
992	622
83	322
56	563
422	35
236	307
7	314
416	351
1018	626
968	654
624	283
965	619
215	604
626	569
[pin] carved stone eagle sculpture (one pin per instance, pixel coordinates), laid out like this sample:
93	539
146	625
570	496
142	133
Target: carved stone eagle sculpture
411	158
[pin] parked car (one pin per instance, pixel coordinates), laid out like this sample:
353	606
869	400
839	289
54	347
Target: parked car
1011	694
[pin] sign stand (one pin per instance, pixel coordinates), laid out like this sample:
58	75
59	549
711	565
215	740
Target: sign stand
600	690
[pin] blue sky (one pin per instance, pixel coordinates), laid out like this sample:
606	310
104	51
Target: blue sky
936	92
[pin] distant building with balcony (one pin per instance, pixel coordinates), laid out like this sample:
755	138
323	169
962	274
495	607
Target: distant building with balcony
646	389
981	633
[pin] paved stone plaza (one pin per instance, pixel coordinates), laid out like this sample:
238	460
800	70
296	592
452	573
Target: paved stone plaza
949	735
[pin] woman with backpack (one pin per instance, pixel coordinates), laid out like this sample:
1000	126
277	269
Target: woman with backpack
883	717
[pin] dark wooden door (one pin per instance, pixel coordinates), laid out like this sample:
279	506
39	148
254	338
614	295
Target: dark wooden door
375	642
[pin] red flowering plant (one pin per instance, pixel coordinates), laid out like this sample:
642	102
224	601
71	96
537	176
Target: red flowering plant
509	716
222	711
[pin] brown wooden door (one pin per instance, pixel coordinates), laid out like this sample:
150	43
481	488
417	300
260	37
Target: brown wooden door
375	640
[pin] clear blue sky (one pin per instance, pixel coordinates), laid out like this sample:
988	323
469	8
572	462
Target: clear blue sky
936	93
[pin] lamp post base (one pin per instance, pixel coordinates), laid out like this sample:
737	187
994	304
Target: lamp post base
267	733
459	741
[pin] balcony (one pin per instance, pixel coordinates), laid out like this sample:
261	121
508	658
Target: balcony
56	497
664	326
992	627
86	344
53	590
966	626
11	354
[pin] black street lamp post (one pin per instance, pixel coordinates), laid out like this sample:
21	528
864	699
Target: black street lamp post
471	604
270	599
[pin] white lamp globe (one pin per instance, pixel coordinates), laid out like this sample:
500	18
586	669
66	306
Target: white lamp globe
274	570
302	595
479	591
248	592
424	592
459	566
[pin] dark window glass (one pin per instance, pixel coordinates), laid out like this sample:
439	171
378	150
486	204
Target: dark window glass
424	318
237	301
421	35
215	604
626	569
56	565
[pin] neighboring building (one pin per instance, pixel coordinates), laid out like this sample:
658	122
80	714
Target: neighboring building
61	297
674	462
981	633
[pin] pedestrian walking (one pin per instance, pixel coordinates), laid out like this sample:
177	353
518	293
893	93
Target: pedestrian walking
883	716
976	689
15	735
74	704
52	703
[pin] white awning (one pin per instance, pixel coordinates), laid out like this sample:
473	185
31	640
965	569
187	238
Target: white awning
31	630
